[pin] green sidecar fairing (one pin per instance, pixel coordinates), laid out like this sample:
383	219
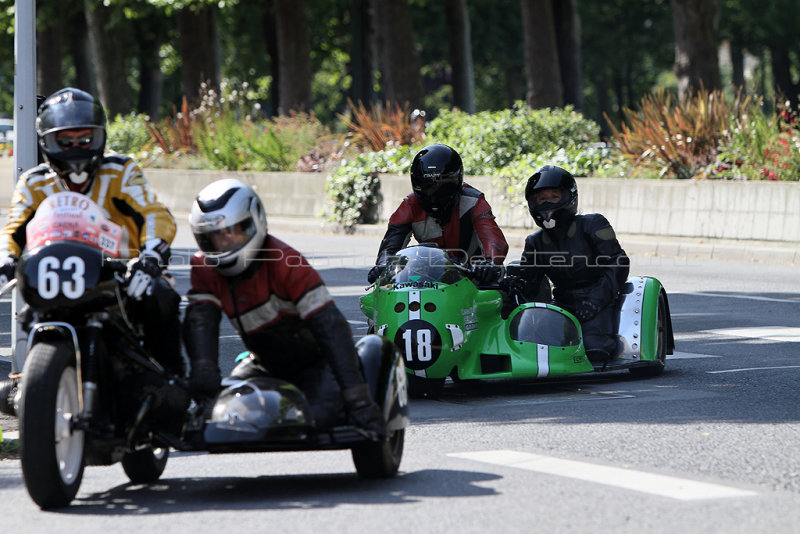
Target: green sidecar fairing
445	326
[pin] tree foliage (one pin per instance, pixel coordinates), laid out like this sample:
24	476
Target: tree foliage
627	51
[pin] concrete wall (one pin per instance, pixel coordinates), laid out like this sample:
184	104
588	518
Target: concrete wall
710	209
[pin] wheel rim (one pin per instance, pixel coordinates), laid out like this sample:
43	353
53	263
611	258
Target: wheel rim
68	442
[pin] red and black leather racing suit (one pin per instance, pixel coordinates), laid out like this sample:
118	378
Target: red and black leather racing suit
470	232
588	267
285	316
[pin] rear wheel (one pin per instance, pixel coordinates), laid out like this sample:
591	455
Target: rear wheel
380	459
656	367
146	465
420	387
51	450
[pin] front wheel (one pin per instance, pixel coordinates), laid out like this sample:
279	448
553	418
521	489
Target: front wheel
380	459
51	449
420	387
146	465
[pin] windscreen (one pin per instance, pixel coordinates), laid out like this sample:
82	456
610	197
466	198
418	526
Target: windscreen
418	266
68	216
544	326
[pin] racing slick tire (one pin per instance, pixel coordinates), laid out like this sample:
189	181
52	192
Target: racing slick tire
146	465
380	459
51	450
421	388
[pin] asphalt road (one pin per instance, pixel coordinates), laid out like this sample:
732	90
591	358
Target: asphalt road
708	447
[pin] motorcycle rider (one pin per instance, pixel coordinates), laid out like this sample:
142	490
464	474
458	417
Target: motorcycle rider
279	306
71	129
580	254
445	211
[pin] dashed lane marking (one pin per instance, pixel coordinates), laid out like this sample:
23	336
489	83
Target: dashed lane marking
666	486
746	297
771	333
690	356
750	369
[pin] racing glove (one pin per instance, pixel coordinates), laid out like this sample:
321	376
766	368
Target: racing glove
586	309
486	272
374	273
142	274
8	266
144	270
513	285
362	411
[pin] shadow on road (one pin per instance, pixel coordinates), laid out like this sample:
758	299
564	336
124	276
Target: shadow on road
279	492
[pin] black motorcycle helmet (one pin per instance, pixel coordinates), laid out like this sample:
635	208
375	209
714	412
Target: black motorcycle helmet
436	178
547	214
72	109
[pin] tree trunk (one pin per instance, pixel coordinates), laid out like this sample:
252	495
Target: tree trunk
49	51
459	36
109	61
696	64
737	65
781	74
600	80
199	49
78	43
361	60
545	88
148	35
397	53
294	56
568	41
268	26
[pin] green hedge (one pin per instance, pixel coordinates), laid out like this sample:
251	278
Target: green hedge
509	144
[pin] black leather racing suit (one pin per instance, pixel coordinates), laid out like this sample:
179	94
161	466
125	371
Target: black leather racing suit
587	267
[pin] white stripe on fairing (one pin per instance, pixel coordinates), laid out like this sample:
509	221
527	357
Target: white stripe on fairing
772	333
666	486
543	360
413	296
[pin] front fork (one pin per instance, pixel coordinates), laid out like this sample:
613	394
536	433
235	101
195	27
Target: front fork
85	363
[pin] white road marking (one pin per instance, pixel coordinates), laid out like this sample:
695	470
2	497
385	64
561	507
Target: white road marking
689	356
772	333
346	291
747	369
666	486
746	297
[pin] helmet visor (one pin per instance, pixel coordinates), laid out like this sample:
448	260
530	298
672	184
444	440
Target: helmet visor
91	139
550	195
226	239
438	195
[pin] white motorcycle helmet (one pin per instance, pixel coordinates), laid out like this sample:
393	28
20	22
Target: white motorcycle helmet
229	223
